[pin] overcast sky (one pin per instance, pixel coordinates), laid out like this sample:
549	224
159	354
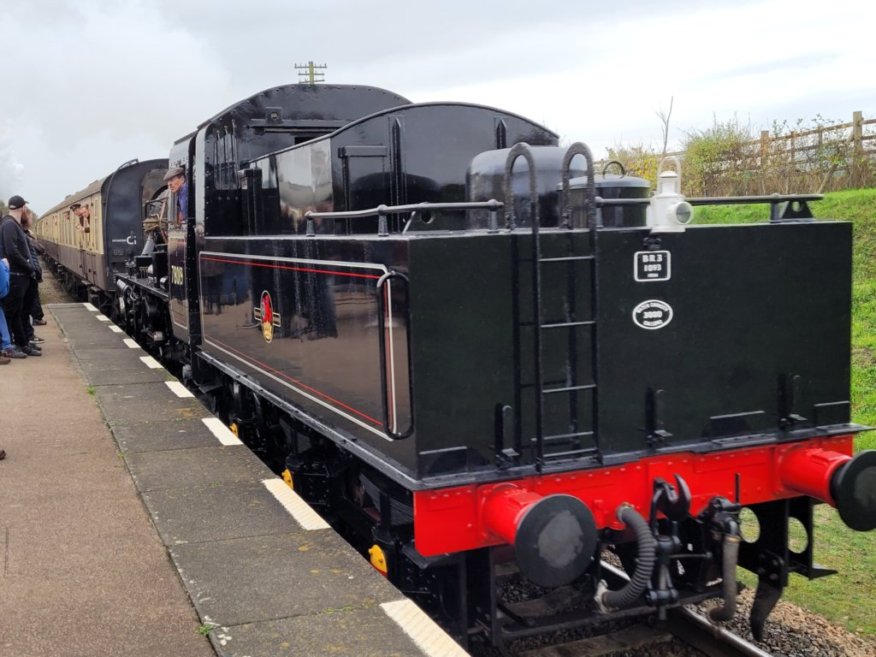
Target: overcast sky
89	84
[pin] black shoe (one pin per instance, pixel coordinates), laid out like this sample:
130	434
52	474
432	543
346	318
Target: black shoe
39	322
13	352
38	339
34	345
30	351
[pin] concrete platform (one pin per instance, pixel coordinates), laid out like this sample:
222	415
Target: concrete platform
128	489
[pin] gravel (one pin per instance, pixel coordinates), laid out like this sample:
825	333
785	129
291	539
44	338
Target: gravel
51	290
794	632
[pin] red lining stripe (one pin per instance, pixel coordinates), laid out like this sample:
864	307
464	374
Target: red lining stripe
266	265
297	382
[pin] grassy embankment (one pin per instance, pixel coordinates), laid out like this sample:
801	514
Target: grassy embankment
846	598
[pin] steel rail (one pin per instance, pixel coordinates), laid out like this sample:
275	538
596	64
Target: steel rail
697	631
700	633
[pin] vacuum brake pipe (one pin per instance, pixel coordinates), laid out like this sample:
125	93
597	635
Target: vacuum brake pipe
729	559
645	560
554	537
848	483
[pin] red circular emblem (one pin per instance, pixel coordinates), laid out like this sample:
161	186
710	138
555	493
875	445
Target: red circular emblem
267	309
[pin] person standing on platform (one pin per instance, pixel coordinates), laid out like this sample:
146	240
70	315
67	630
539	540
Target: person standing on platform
33	308
5	340
14	247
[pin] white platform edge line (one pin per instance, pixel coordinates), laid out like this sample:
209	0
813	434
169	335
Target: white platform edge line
223	434
132	344
151	363
178	389
297	507
103	318
90	307
115	329
422	630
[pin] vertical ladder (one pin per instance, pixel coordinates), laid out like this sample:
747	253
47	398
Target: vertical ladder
570	386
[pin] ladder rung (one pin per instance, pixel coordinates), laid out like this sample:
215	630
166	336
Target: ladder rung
559	324
573	452
550	391
545	383
566	436
567	258
553	325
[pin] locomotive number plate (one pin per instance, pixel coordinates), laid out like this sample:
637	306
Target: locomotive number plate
651	266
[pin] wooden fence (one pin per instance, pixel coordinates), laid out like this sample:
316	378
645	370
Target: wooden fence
840	156
820	159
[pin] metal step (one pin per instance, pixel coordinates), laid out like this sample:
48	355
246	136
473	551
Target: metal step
567	258
553	325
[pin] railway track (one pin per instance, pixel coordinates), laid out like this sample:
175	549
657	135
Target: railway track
683	633
713	641
685	626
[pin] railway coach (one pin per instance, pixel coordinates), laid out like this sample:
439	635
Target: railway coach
91	235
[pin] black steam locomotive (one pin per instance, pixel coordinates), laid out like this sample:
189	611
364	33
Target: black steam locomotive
484	362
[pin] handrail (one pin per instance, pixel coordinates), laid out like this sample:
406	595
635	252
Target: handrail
381	323
382	210
766	198
797	204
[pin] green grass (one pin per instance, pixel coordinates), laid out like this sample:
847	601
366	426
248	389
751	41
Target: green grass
846	598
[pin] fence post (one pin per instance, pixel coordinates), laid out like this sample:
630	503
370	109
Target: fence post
860	168
764	160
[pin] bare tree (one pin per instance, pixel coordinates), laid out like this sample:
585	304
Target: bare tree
664	117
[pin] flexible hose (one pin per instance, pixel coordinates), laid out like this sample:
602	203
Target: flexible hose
727	611
645	560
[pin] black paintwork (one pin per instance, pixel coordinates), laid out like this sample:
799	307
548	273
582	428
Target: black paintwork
751	305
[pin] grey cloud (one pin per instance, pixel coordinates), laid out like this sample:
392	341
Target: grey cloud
107	80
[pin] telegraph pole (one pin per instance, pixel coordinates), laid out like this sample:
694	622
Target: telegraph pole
310	73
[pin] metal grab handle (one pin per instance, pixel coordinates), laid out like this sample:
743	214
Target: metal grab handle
579	148
523	150
623	171
381	323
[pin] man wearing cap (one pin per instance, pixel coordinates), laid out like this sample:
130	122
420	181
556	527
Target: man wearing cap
14	247
176	183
